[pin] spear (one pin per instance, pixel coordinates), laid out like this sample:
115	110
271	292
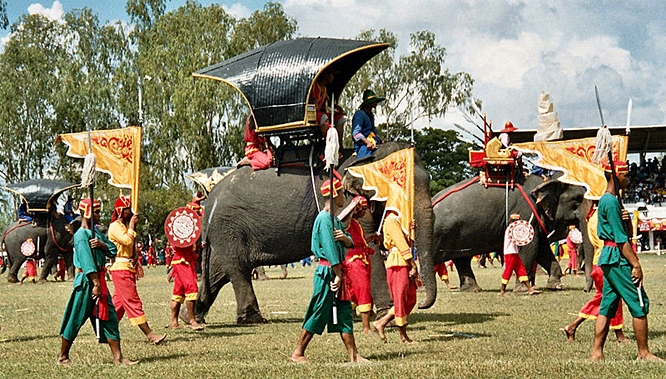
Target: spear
331	157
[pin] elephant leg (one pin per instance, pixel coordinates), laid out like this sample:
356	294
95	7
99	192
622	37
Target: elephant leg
466	275
12	275
207	295
50	261
548	262
381	296
247	307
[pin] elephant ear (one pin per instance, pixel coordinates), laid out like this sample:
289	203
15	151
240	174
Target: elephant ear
547	195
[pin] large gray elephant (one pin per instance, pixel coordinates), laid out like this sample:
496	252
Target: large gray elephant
471	219
256	218
54	239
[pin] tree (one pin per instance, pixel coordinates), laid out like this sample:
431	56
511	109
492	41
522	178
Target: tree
444	155
4	21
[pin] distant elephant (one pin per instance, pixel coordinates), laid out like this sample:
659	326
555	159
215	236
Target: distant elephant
471	219
51	239
262	218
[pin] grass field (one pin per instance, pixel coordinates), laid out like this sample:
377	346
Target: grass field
465	335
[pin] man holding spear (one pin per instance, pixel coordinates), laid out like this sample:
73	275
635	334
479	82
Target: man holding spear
329	247
90	298
623	276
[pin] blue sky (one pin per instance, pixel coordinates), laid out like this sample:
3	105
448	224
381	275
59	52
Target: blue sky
514	49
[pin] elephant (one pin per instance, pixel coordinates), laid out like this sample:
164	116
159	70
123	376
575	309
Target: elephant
256	218
470	219
53	238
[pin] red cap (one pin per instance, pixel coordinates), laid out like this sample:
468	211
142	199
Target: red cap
121	203
86	209
508	128
620	167
326	187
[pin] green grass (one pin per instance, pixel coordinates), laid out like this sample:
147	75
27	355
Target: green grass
464	335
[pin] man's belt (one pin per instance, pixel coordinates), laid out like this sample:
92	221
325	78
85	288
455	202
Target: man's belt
610	243
121	259
324	262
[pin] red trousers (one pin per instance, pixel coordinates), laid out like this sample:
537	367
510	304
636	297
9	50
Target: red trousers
442	272
591	309
126	298
357	276
184	282
513	263
403	292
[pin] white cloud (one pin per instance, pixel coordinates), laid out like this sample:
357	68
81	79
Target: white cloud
54	13
238	10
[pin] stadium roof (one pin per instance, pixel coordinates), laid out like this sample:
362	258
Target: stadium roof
642	139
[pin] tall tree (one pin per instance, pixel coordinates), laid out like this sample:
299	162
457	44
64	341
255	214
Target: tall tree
416	86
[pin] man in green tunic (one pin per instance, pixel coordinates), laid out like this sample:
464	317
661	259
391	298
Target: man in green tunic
623	276
328	244
90	298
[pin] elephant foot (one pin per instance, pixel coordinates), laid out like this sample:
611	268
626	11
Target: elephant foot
470	287
43	280
256	318
555	286
12	279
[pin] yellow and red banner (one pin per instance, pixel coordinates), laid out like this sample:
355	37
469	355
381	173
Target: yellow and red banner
118	153
392	179
573	157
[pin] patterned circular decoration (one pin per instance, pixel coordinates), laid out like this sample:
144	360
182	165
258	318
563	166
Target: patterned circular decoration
521	232
28	248
182	227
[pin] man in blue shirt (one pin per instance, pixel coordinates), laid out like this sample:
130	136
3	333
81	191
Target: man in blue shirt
363	125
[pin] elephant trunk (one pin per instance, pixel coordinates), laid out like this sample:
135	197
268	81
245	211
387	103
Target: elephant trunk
424	236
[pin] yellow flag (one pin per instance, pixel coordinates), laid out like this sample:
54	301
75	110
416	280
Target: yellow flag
118	153
392	179
573	157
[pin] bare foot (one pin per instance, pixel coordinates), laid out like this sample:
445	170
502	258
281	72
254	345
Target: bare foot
64	361
196	327
176	326
623	339
649	358
360	359
409	341
125	362
597	356
571	334
453	287
503	294
380	330
156	340
368	331
534	292
297	358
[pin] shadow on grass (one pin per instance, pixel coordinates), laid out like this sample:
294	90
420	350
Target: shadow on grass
28	338
391	356
456	318
205	333
160	358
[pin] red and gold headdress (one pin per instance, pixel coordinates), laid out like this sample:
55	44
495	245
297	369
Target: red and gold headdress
121	203
86	209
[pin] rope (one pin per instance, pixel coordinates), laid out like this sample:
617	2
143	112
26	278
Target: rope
603	145
534	211
454	190
88	172
312	178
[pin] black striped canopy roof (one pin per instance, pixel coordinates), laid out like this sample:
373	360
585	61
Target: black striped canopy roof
38	192
276	79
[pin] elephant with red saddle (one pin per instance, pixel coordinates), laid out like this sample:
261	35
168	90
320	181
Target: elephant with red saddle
471	219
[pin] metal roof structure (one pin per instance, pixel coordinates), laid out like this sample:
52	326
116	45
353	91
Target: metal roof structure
276	79
642	139
39	192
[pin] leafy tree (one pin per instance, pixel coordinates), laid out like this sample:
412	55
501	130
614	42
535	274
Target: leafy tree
443	153
4	21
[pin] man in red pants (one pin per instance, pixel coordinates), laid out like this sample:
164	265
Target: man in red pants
357	264
185	289
402	276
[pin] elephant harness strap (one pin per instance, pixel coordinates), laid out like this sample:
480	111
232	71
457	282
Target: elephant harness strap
533	208
55	240
19	225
